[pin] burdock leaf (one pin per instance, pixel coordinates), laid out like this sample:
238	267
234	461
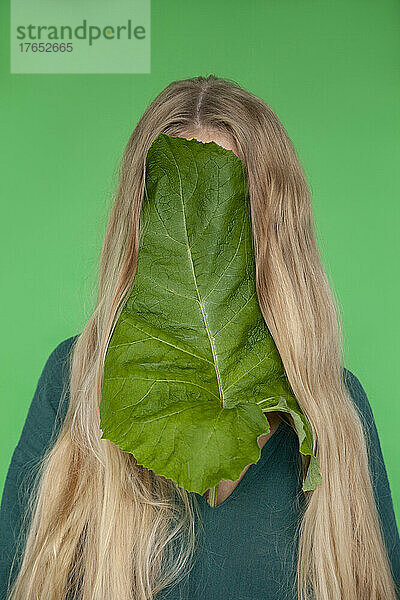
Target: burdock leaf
191	367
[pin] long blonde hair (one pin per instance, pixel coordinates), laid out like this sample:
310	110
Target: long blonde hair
107	527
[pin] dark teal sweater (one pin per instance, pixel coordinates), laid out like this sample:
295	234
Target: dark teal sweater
247	544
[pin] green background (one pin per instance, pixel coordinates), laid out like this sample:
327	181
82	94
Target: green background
331	73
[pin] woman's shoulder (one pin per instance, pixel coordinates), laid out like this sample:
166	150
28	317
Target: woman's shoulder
353	382
359	396
56	368
62	351
54	377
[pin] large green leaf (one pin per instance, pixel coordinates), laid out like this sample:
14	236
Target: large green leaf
191	367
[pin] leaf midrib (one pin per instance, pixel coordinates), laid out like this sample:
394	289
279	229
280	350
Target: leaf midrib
195	282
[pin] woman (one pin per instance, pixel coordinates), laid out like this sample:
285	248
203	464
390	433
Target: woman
98	526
